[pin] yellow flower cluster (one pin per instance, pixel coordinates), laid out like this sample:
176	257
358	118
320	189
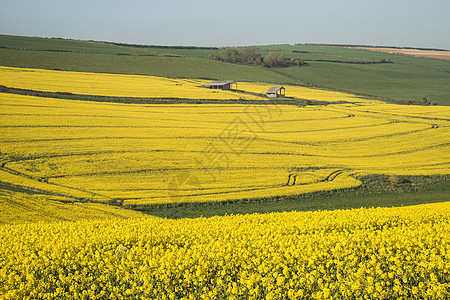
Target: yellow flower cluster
382	253
182	153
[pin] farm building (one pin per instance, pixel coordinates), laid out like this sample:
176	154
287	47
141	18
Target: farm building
276	91
220	85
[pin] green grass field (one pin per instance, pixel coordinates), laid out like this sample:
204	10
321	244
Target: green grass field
61	45
348	54
399	82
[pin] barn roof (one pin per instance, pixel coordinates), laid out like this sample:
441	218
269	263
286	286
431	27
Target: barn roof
274	89
220	83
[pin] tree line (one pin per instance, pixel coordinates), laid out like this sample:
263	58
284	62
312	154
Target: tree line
249	56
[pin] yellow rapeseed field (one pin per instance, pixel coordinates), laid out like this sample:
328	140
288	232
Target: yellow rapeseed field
382	253
115	85
118	85
62	160
144	154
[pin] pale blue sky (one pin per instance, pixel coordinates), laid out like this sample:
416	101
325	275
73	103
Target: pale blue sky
411	23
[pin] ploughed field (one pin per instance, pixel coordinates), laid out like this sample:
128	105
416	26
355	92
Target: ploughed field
143	154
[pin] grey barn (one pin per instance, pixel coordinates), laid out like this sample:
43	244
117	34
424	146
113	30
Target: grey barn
276	91
220	85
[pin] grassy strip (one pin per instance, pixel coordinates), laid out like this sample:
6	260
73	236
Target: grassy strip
21	189
376	191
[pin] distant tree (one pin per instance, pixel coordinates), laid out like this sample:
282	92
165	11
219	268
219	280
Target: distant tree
229	55
275	59
249	56
298	62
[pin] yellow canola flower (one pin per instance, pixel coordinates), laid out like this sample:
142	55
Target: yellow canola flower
364	253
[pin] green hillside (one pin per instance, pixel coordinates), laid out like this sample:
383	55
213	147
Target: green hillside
175	67
382	75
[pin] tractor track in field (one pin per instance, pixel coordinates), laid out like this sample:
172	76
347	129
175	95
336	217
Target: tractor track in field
27	189
418	149
434	126
159	170
117	109
240	120
388	115
45	180
329	178
328	129
407	116
332	176
266	187
351	140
